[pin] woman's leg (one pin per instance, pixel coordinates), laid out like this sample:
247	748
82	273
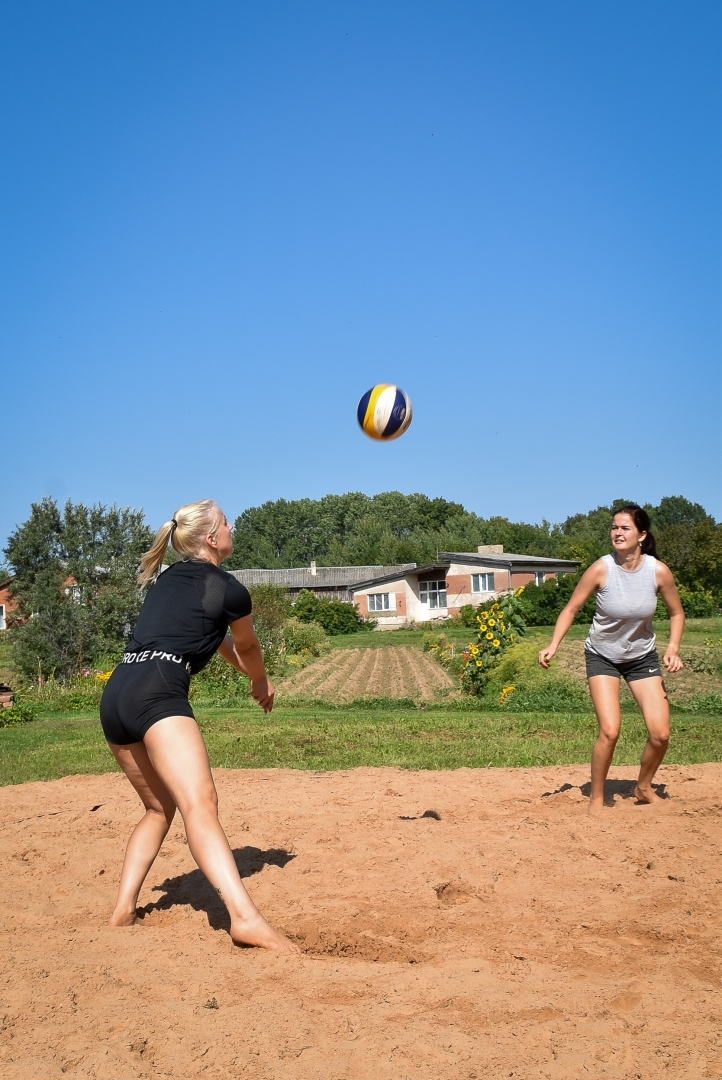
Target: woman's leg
149	833
651	697
605	698
178	754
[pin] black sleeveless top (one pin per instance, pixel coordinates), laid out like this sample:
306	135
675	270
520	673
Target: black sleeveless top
188	611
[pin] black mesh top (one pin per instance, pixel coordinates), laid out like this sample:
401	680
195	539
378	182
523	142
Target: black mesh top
188	610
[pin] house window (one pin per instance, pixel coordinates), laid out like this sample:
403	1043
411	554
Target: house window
538	577
482	583
433	593
3	624
74	593
379	601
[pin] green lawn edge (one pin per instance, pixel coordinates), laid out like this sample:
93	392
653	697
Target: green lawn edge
320	737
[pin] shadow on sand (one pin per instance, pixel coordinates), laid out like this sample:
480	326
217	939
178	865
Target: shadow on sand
194	890
622	788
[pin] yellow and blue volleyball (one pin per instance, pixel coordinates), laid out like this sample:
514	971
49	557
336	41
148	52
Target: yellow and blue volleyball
384	412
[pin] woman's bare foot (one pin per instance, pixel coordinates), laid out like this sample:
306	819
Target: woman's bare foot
257	932
123	918
596	806
646	795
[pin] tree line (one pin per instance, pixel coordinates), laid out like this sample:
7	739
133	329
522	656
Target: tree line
357	529
74	569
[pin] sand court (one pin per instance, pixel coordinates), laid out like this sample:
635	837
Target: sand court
463	924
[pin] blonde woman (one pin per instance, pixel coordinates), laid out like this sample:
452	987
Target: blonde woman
622	645
149	723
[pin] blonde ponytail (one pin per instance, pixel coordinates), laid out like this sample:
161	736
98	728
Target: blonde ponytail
186	531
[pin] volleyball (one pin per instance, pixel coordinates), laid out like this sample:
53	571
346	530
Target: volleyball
384	412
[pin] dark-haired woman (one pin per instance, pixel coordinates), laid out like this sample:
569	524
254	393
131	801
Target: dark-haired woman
148	721
622	645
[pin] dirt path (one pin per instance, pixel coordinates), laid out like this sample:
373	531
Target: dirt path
395	671
508	936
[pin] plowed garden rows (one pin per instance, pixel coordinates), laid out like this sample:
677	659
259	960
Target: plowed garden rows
394	672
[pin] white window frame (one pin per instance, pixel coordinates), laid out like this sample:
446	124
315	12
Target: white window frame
3	622
433	593
539	577
482	583
380	601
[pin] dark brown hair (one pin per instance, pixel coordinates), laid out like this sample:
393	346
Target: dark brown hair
641	519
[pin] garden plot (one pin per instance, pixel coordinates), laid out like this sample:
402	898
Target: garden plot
391	672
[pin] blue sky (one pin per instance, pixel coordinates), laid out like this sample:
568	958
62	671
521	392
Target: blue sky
221	223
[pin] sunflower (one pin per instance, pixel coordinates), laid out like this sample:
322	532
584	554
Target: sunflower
496	643
492	622
482	628
489	635
478	663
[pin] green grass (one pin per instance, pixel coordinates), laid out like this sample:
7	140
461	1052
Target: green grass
319	737
695	633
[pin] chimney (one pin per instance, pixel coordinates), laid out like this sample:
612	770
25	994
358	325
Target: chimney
490	549
313	567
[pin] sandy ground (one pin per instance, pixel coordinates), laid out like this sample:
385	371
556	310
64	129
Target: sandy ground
503	935
397	671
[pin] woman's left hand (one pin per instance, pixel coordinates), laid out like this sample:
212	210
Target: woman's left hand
672	662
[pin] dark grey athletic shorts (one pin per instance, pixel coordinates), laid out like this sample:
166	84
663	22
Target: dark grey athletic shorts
646	667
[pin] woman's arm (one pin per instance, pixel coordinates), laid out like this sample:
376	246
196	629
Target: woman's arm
670	596
242	650
591	580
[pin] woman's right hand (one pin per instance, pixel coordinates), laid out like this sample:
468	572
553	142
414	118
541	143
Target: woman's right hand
545	656
263	691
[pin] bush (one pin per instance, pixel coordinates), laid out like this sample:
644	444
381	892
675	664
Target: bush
441	649
305	639
271	604
79	693
21	712
697	604
219	682
540	605
519	684
467	616
335	616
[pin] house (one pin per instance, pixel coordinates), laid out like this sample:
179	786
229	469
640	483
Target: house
327	582
439	589
7	604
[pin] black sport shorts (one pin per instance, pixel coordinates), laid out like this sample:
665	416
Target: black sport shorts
646	667
138	695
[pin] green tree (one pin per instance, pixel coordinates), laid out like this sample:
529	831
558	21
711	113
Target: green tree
74	585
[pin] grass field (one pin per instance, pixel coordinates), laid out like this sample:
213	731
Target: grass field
439	729
318	737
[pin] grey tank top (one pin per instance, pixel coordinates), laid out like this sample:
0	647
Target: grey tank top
622	625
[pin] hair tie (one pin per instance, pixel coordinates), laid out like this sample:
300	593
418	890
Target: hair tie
174	523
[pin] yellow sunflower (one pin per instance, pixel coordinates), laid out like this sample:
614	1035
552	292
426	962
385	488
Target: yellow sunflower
492	622
489	636
496	643
482	628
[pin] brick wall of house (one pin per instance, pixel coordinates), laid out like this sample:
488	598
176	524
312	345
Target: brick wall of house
7	601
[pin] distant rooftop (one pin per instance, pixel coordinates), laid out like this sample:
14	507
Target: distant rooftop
506	560
318	577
